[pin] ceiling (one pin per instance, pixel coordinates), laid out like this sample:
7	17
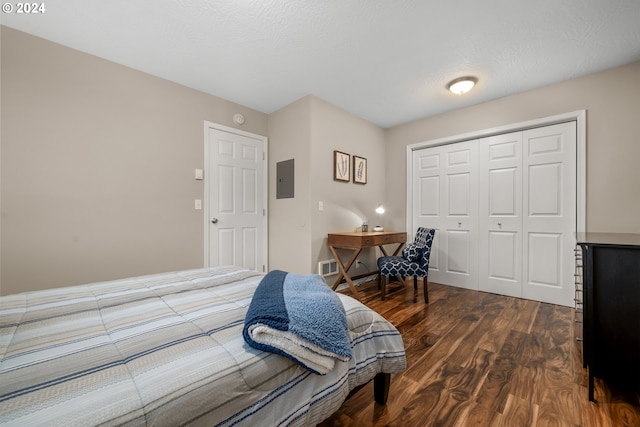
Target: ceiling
385	61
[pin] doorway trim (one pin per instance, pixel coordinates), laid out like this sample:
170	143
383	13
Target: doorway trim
207	183
579	116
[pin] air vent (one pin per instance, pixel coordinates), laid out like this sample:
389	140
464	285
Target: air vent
328	267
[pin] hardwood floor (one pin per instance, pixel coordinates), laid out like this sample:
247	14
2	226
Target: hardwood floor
480	359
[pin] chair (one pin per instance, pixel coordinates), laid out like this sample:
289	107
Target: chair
413	262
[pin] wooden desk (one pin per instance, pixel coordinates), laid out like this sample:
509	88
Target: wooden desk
357	241
611	270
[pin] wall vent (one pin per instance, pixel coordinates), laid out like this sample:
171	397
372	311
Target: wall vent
328	267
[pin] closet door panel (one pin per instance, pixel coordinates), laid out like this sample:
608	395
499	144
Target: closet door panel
547	203
549	177
460	229
545	249
445	198
458	195
429	189
427	201
458	243
500	214
502	192
503	265
429	215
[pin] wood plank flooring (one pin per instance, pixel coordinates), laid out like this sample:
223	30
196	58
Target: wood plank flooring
480	359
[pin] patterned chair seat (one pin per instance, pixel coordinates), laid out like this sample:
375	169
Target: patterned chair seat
414	262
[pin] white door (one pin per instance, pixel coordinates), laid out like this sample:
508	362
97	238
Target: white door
526	216
446	198
500	214
549	213
427	206
235	186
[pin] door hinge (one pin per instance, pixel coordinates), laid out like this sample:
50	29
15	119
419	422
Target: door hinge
264	212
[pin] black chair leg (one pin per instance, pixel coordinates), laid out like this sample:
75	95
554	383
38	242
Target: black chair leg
426	291
383	286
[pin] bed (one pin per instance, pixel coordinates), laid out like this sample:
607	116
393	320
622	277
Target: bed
168	350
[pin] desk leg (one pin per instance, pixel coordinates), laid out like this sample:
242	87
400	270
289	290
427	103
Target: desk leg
344	271
395	253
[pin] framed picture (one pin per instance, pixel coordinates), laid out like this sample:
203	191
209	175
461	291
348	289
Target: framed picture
359	170
341	166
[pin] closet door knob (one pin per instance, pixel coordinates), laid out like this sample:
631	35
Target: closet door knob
214	220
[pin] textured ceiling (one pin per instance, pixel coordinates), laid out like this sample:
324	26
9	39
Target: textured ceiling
385	61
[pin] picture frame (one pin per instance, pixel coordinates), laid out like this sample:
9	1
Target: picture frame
359	170
341	166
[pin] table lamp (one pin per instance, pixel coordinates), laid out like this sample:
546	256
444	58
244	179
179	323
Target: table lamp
379	211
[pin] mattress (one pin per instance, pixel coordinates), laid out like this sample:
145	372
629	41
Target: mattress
167	350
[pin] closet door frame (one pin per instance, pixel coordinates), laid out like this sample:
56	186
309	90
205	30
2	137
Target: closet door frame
579	117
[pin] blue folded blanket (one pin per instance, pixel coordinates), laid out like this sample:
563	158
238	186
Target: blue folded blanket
299	317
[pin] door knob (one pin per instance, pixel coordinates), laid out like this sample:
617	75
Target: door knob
214	220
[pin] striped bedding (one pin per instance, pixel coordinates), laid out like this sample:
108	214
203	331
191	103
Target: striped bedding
167	350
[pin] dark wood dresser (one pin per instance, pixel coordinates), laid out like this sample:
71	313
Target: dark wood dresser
611	278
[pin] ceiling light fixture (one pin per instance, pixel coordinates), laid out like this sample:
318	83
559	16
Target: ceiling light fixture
462	85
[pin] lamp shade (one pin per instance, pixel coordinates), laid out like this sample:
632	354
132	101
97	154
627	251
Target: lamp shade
379	211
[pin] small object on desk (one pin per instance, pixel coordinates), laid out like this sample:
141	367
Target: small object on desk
358	241
378	228
365	228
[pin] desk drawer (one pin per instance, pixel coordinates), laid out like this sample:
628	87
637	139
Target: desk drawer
366	239
384	240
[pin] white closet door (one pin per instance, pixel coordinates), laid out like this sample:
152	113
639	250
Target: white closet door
446	198
500	214
427	206
549	179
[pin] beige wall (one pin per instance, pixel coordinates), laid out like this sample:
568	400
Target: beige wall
308	131
612	101
97	164
346	205
97	168
289	224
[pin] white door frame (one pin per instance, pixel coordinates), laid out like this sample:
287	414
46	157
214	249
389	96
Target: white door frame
580	117
207	183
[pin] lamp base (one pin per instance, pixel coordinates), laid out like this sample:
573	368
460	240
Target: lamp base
378	228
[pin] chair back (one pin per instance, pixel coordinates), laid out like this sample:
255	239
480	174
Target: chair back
424	239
